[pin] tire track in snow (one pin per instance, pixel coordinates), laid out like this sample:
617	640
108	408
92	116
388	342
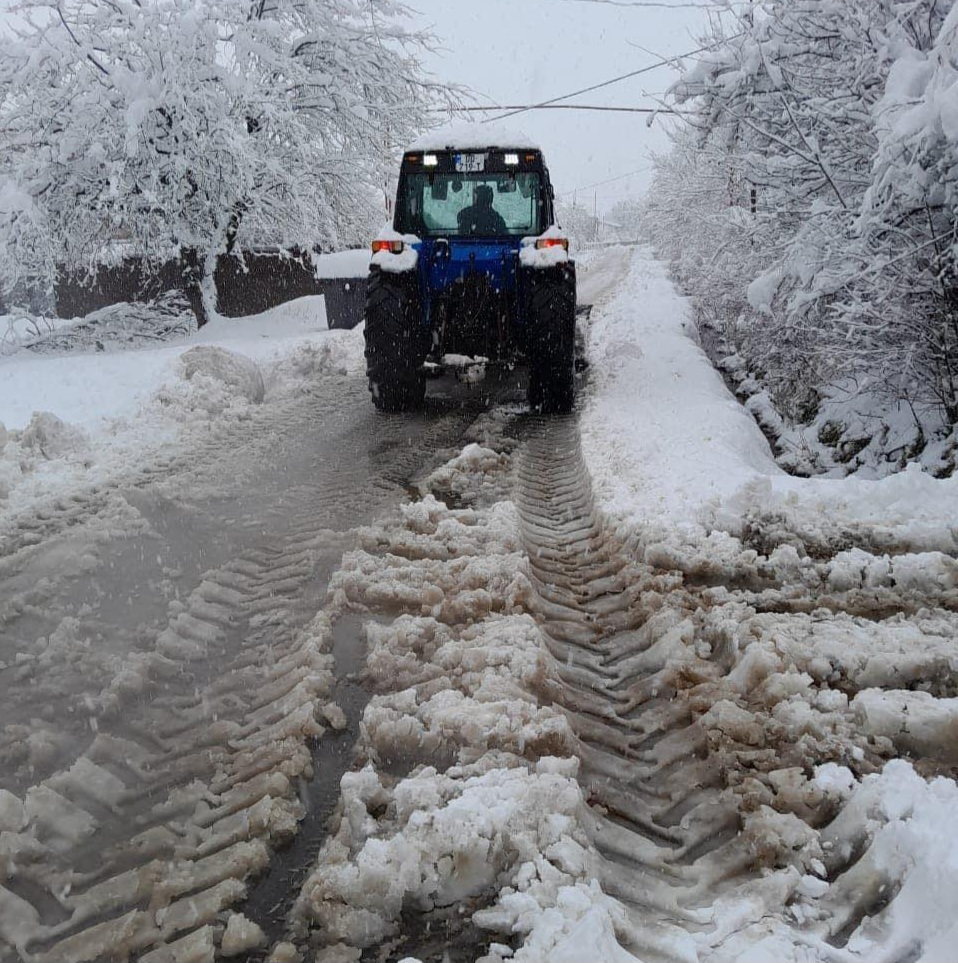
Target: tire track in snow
202	744
702	807
658	819
175	812
715	698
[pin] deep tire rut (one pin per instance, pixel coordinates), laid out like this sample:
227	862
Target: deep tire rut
633	742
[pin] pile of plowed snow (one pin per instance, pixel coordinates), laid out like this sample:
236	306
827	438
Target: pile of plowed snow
468	797
77	419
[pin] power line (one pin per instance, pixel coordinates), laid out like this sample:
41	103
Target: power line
585	90
648	3
611	180
520	108
607	83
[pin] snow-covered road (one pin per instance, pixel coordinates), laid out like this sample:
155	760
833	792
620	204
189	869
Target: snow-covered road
623	689
163	645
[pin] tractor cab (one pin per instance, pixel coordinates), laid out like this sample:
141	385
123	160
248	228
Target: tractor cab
444	194
473	266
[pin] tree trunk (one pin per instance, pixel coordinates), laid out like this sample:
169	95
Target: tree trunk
233	225
192	269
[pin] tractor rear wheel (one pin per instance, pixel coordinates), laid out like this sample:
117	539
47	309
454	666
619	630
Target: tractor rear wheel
396	341
550	338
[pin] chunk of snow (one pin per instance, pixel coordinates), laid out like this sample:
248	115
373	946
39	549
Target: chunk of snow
49	436
906	823
241	935
240	374
915	721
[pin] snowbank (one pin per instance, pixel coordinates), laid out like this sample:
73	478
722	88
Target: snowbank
670	449
663	438
78	419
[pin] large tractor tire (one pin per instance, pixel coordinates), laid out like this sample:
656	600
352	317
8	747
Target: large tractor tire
396	341
550	338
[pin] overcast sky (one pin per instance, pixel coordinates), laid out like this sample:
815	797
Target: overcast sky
527	51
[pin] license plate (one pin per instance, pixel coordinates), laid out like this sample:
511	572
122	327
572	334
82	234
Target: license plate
470	163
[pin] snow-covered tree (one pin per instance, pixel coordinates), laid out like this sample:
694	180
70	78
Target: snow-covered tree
814	195
909	216
187	127
578	221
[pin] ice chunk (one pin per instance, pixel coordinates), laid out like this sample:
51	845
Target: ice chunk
241	935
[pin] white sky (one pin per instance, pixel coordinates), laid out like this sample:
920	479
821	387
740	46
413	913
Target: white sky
526	51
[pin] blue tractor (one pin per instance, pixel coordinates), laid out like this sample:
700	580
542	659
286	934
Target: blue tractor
474	266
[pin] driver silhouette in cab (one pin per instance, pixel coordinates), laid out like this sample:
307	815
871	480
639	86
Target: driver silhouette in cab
481	217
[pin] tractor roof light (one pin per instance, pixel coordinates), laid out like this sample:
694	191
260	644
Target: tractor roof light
394	247
430	160
511	160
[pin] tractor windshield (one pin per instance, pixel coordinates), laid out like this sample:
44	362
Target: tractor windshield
463	205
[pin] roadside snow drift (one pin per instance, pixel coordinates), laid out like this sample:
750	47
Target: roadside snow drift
670	450
77	419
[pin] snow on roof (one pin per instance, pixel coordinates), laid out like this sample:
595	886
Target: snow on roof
472	136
